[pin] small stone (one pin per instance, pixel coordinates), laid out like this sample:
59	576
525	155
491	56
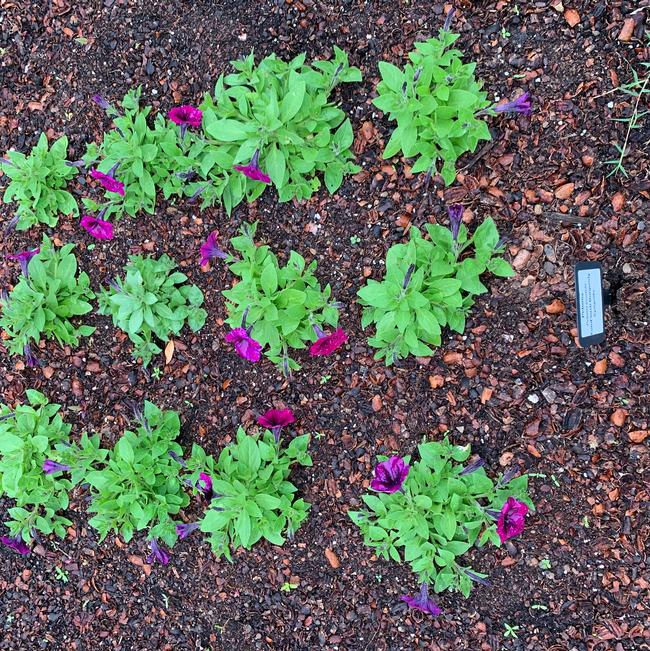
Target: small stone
533	398
549	395
627	268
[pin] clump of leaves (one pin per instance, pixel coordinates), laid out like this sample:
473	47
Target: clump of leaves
28	435
429	284
254	498
280	304
137	484
442	509
38	182
434	100
151	303
146	159
42	303
281	110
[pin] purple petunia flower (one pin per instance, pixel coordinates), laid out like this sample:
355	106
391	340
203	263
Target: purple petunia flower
245	346
24	257
407	276
210	249
275	420
475	577
157	553
390	475
423	602
101	102
185	529
455	213
204	484
448	19
178	459
16	543
472	467
520	105
327	344
108	182
252	170
11	224
508	476
30	358
98	228
186	115
50	467
511	519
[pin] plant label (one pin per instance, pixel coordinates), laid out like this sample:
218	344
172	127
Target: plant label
589	303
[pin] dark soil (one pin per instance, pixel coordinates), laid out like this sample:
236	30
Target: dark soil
516	385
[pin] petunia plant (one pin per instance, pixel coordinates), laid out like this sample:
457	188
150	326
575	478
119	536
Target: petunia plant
44	300
38	181
274	123
252	495
138	484
152	303
136	159
429	284
430	512
28	434
275	307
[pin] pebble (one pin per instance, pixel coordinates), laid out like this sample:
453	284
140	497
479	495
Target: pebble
533	398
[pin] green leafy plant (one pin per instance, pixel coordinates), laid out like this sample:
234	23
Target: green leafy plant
429	284
42	303
38	182
434	100
152	303
28	435
440	512
146	159
254	497
281	110
637	88
282	304
136	485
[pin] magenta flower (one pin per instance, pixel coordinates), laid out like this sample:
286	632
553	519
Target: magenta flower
204	484
423	602
455	213
210	249
16	543
390	475
520	105
275	420
108	182
184	530
30	358
157	553
24	257
252	170
186	115
98	228
50	467
511	519
327	344
245	346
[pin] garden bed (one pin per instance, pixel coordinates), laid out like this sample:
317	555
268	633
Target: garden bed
515	386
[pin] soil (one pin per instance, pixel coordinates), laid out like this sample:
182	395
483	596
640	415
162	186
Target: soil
515	385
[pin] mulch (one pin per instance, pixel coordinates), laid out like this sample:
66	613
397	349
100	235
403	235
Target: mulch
515	385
